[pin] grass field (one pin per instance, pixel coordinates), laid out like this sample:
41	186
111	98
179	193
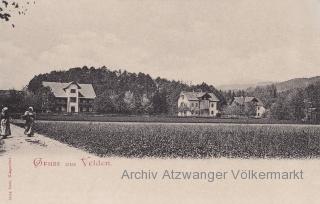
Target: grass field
156	119
169	140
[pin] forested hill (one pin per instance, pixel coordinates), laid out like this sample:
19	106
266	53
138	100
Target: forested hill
297	83
121	91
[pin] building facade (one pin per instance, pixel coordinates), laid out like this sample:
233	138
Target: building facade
243	101
72	97
198	104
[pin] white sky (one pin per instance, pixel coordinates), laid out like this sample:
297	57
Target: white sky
219	42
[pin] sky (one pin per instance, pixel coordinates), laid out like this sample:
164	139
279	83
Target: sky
212	41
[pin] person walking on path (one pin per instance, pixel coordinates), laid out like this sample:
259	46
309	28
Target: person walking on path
5	129
30	117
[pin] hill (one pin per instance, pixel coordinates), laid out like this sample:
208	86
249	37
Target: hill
236	87
296	83
281	86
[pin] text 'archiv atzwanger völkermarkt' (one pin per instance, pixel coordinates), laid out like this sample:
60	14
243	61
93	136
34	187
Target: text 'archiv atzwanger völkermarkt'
211	176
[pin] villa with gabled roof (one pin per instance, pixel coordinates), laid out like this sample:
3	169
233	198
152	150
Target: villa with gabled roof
198	104
72	97
241	101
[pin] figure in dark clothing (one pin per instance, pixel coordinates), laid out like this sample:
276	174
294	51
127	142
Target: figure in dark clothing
5	129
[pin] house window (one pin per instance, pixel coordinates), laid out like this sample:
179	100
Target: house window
192	105
73	99
73	91
196	105
211	112
258	108
212	105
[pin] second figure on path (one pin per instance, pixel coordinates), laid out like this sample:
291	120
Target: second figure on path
30	117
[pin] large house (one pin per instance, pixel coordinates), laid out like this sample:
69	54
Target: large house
242	101
72	97
198	104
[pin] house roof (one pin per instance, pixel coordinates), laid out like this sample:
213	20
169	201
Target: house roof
194	96
242	100
75	83
58	89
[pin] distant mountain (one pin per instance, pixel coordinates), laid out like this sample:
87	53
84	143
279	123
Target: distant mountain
296	83
281	86
242	86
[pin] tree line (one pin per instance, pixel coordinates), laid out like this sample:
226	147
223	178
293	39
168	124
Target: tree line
122	92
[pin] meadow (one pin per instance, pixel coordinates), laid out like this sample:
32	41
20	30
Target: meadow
92	117
190	140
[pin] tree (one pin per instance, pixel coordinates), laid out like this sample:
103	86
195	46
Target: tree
45	100
159	102
105	103
233	110
296	105
121	105
29	99
312	95
12	99
279	110
9	7
129	101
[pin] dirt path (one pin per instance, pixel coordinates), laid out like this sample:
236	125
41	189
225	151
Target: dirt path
20	144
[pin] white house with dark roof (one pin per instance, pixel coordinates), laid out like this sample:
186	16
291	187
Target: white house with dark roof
198	104
72	97
243	100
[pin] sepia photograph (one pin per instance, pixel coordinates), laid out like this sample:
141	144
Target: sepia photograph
110	101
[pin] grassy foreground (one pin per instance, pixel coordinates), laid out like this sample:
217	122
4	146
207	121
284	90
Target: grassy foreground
157	119
187	140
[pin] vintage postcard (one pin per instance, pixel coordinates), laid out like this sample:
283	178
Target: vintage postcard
159	101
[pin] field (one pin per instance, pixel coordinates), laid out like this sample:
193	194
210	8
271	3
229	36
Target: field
172	140
155	118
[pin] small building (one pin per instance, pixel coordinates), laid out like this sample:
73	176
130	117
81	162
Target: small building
198	104
72	97
247	101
